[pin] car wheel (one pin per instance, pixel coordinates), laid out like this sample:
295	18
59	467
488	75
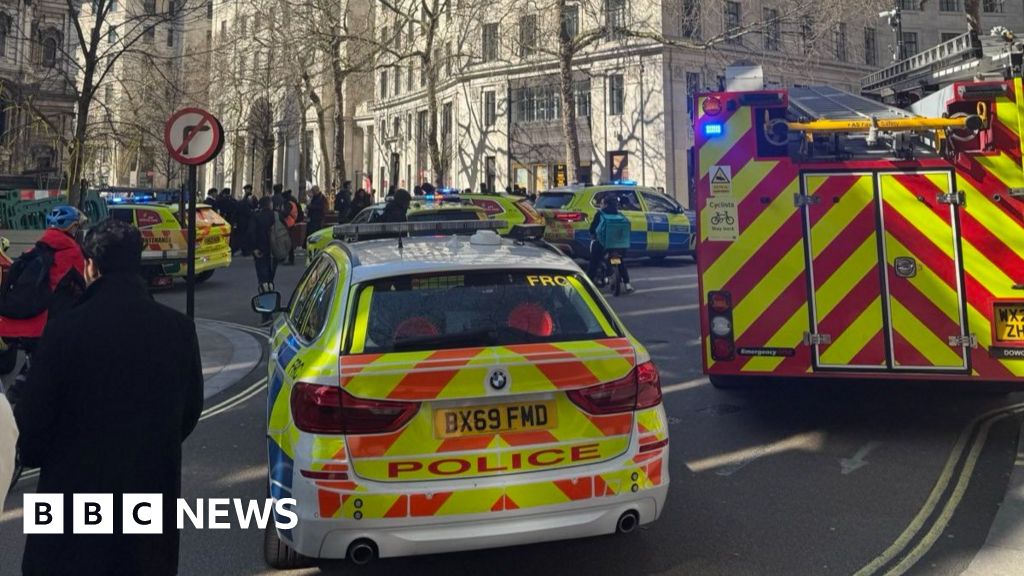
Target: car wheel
204	276
8	359
278	554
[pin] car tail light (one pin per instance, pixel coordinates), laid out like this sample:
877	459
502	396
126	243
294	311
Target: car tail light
720	328
330	410
641	388
570	216
532	216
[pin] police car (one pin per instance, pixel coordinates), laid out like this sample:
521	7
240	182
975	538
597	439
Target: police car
660	227
455	392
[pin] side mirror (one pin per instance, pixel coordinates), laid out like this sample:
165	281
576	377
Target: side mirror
267	303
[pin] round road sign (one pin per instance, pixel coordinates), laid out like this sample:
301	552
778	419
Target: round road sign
193	136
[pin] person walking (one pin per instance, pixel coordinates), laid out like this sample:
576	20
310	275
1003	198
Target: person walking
343	205
396	208
291	215
260	228
316	210
278	197
107	413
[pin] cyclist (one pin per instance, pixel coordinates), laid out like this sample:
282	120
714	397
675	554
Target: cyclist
610	207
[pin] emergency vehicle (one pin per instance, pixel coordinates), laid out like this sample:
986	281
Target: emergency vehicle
659	226
446	393
844	236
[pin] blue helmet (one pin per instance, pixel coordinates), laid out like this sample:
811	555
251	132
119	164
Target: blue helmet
63	217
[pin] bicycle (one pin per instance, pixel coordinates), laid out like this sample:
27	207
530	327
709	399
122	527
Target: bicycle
722	218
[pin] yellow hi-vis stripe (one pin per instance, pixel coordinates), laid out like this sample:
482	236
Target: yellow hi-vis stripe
856	336
862	261
714	150
936	351
743	184
920	215
362	321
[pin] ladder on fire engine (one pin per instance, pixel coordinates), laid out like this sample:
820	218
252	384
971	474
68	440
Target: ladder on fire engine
966	57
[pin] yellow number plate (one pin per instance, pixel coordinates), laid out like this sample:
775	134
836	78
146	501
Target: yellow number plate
1009	322
615	261
495	419
212	240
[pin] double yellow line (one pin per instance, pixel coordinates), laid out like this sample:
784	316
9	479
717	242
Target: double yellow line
933	518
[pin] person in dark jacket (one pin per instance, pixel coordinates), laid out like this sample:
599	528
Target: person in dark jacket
316	210
397	207
260	227
342	205
278	197
597	251
359	203
107	413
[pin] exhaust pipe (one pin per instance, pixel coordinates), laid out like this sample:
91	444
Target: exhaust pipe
628	522
362	552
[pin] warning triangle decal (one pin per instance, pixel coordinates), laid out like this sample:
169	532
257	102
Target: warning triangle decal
720	177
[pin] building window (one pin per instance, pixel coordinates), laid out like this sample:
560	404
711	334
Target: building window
839	40
490	109
581	93
108	94
870	47
149	34
170	36
950	6
691	19
50	51
806	34
527	35
615	15
907	5
992	6
489	41
172	7
408	82
772	29
383	84
223	28
382	136
448	59
947	36
909	44
383	35
396	127
570	22
149	7
113	7
112	34
209	10
423	75
398	81
733	19
5	29
616	95
243	25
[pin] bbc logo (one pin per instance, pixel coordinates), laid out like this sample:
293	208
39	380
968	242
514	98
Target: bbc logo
93	514
144	513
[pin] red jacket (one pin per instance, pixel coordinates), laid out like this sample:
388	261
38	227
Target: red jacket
66	255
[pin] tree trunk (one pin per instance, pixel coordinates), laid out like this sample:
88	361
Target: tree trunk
437	162
321	124
338	84
77	148
570	132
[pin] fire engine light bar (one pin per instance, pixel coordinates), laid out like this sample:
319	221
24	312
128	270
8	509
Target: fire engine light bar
348	231
713	129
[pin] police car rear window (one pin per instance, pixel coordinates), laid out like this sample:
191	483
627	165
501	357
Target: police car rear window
499	308
553	200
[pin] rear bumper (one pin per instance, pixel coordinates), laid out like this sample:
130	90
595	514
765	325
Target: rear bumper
331	538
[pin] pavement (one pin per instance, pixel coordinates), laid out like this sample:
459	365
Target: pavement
1003	551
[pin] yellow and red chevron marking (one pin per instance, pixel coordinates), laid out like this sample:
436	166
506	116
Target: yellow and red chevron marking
463	372
351	500
765	270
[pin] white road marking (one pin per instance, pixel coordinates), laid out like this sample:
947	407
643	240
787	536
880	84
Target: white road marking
858	459
730	462
673	277
664	310
665	288
689	385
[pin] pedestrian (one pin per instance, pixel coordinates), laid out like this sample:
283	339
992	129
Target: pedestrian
397	207
8	443
211	197
361	202
343	205
240	227
291	215
428	188
260	229
316	210
417	190
24	310
278	197
597	249
107	413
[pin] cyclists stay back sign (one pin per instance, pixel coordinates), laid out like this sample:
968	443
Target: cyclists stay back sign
719	216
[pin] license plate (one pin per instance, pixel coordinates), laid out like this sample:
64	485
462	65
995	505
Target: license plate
1009	322
212	240
615	261
495	419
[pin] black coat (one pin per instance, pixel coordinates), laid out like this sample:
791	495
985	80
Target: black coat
316	209
116	385
259	230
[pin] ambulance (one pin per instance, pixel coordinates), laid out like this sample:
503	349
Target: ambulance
878	235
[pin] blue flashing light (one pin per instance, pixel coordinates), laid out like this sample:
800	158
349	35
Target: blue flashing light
624	182
713	129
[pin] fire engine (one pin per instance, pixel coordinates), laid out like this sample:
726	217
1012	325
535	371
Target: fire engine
873	235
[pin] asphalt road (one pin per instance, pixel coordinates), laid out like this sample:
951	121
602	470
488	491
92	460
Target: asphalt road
821	478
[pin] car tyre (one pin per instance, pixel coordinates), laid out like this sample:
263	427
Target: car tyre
278	554
204	276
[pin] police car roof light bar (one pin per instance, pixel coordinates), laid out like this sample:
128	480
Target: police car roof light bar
354	231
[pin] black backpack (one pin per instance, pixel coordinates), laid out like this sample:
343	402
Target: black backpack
25	292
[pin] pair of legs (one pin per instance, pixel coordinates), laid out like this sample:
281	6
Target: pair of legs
266	269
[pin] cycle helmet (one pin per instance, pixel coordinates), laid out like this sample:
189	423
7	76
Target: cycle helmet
63	218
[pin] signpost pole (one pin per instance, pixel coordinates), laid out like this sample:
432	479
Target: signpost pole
190	294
